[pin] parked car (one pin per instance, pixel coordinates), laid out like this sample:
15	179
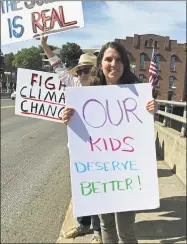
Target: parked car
13	95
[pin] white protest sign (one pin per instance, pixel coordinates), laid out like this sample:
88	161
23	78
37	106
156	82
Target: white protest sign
39	95
24	20
112	149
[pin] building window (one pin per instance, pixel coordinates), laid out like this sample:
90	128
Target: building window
142	61
170	96
158	61
172	64
151	42
171	81
141	78
156	44
146	42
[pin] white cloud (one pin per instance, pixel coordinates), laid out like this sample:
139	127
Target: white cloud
106	21
146	17
126	19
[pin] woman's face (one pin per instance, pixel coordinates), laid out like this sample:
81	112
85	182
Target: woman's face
83	73
112	66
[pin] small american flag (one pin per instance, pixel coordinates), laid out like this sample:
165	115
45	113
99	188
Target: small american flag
153	72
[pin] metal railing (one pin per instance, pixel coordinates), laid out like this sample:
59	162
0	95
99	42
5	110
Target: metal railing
168	116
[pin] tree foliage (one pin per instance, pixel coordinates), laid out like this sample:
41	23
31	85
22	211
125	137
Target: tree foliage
29	58
51	46
9	60
70	54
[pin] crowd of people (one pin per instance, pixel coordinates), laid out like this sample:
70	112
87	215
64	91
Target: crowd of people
110	67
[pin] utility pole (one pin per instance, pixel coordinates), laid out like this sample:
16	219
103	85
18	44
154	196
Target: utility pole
185	87
2	66
7	81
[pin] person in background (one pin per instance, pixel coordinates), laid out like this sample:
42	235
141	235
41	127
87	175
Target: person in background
79	77
113	68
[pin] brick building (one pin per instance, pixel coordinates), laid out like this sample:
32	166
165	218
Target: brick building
171	63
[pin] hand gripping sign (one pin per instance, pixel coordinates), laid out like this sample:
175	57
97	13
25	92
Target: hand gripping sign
39	95
112	149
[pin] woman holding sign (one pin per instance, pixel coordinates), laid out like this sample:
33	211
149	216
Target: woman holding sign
83	69
113	67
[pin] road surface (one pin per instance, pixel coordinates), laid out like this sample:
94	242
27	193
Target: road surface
35	181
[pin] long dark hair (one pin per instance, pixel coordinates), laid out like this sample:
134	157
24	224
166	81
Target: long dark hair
98	78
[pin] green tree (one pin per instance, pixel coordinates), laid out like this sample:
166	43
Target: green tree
2	65
70	54
51	46
29	58
9	60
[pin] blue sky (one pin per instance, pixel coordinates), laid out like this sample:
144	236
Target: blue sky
105	21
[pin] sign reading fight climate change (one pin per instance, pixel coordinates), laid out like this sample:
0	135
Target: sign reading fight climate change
39	95
24	20
112	149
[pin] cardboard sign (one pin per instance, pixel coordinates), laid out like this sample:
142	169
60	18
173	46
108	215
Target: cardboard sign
39	95
112	149
24	20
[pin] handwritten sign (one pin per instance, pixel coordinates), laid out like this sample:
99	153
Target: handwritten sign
24	20
39	95
112	149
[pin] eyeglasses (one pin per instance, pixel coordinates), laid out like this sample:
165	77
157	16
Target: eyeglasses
84	70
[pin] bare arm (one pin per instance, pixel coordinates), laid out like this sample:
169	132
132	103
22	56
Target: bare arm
58	66
45	46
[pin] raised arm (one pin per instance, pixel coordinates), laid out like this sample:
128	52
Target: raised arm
59	67
46	48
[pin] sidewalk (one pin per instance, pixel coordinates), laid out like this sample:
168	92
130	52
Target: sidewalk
164	225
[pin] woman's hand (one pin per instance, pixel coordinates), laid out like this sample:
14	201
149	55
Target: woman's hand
67	114
152	106
43	40
48	51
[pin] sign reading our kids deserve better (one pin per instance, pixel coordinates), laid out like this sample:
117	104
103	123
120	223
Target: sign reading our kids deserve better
112	149
39	95
24	20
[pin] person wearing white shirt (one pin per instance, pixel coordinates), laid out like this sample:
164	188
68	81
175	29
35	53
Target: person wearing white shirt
82	70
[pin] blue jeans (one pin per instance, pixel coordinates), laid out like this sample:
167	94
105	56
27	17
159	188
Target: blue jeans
86	221
118	227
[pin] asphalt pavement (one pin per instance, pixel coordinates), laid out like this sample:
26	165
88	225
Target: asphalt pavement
163	225
35	187
35	178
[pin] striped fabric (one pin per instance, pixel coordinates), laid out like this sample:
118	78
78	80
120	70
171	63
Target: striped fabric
153	72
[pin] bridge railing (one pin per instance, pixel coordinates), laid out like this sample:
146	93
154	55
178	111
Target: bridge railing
168	116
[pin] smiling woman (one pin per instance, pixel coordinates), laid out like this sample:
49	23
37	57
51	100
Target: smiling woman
113	66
